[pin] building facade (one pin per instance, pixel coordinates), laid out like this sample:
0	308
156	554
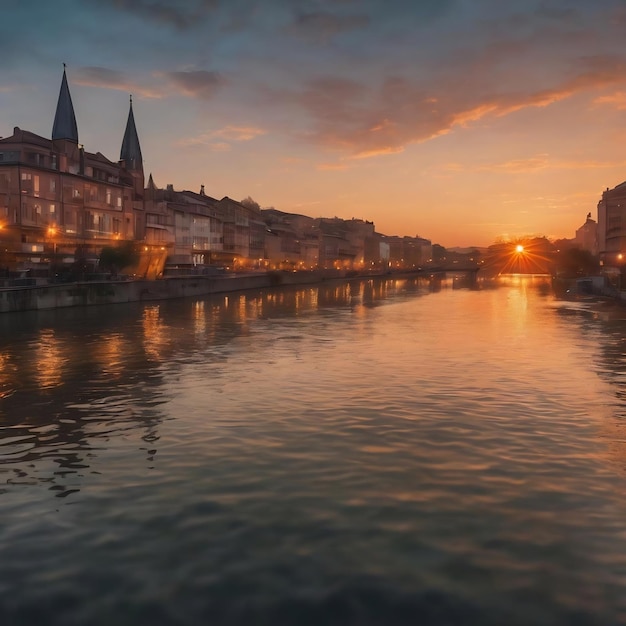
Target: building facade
59	202
587	236
60	205
612	226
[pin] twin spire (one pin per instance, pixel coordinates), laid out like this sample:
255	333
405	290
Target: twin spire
131	150
65	127
64	120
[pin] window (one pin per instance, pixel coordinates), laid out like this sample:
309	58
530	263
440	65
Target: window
33	157
27	182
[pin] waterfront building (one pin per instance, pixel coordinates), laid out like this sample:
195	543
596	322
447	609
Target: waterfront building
59	202
60	205
198	230
159	220
284	239
244	232
409	252
612	226
336	249
587	236
188	223
362	237
300	241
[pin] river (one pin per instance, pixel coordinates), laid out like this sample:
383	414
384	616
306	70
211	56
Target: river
376	452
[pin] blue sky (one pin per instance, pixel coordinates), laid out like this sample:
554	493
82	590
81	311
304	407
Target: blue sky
458	120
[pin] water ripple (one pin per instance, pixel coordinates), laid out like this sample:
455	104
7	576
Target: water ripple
362	454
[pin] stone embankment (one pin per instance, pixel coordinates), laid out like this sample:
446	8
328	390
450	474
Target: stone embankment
52	296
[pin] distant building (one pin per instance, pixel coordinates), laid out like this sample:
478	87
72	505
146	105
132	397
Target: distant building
587	236
408	252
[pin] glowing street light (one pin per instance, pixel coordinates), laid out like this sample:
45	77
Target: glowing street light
52	231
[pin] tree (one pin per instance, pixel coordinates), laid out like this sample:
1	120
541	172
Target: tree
439	253
251	204
115	259
575	261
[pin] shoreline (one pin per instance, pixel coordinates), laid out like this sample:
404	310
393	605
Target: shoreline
94	293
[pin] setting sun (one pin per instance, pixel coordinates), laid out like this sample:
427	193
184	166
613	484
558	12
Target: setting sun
519	248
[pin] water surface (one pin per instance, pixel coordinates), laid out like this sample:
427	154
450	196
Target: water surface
359	453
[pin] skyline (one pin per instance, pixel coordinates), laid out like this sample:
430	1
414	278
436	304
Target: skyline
457	121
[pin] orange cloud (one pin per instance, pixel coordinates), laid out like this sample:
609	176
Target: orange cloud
228	133
106	78
368	154
617	100
543	162
353	118
239	133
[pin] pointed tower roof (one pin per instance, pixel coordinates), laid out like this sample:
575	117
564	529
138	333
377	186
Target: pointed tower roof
131	150
151	184
64	119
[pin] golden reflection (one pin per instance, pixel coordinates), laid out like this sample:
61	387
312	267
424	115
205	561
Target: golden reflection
155	336
49	360
110	355
213	320
241	311
8	371
199	318
256	307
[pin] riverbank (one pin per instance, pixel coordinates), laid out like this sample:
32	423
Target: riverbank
53	296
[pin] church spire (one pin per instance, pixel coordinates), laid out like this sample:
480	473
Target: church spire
64	119
131	150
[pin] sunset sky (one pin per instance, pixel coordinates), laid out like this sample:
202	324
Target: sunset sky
457	120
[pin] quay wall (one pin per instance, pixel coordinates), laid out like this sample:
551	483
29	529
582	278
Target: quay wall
53	296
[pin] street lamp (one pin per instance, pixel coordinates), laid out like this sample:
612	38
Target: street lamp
50	234
52	231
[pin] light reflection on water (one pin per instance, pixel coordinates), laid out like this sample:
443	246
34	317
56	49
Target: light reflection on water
367	452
